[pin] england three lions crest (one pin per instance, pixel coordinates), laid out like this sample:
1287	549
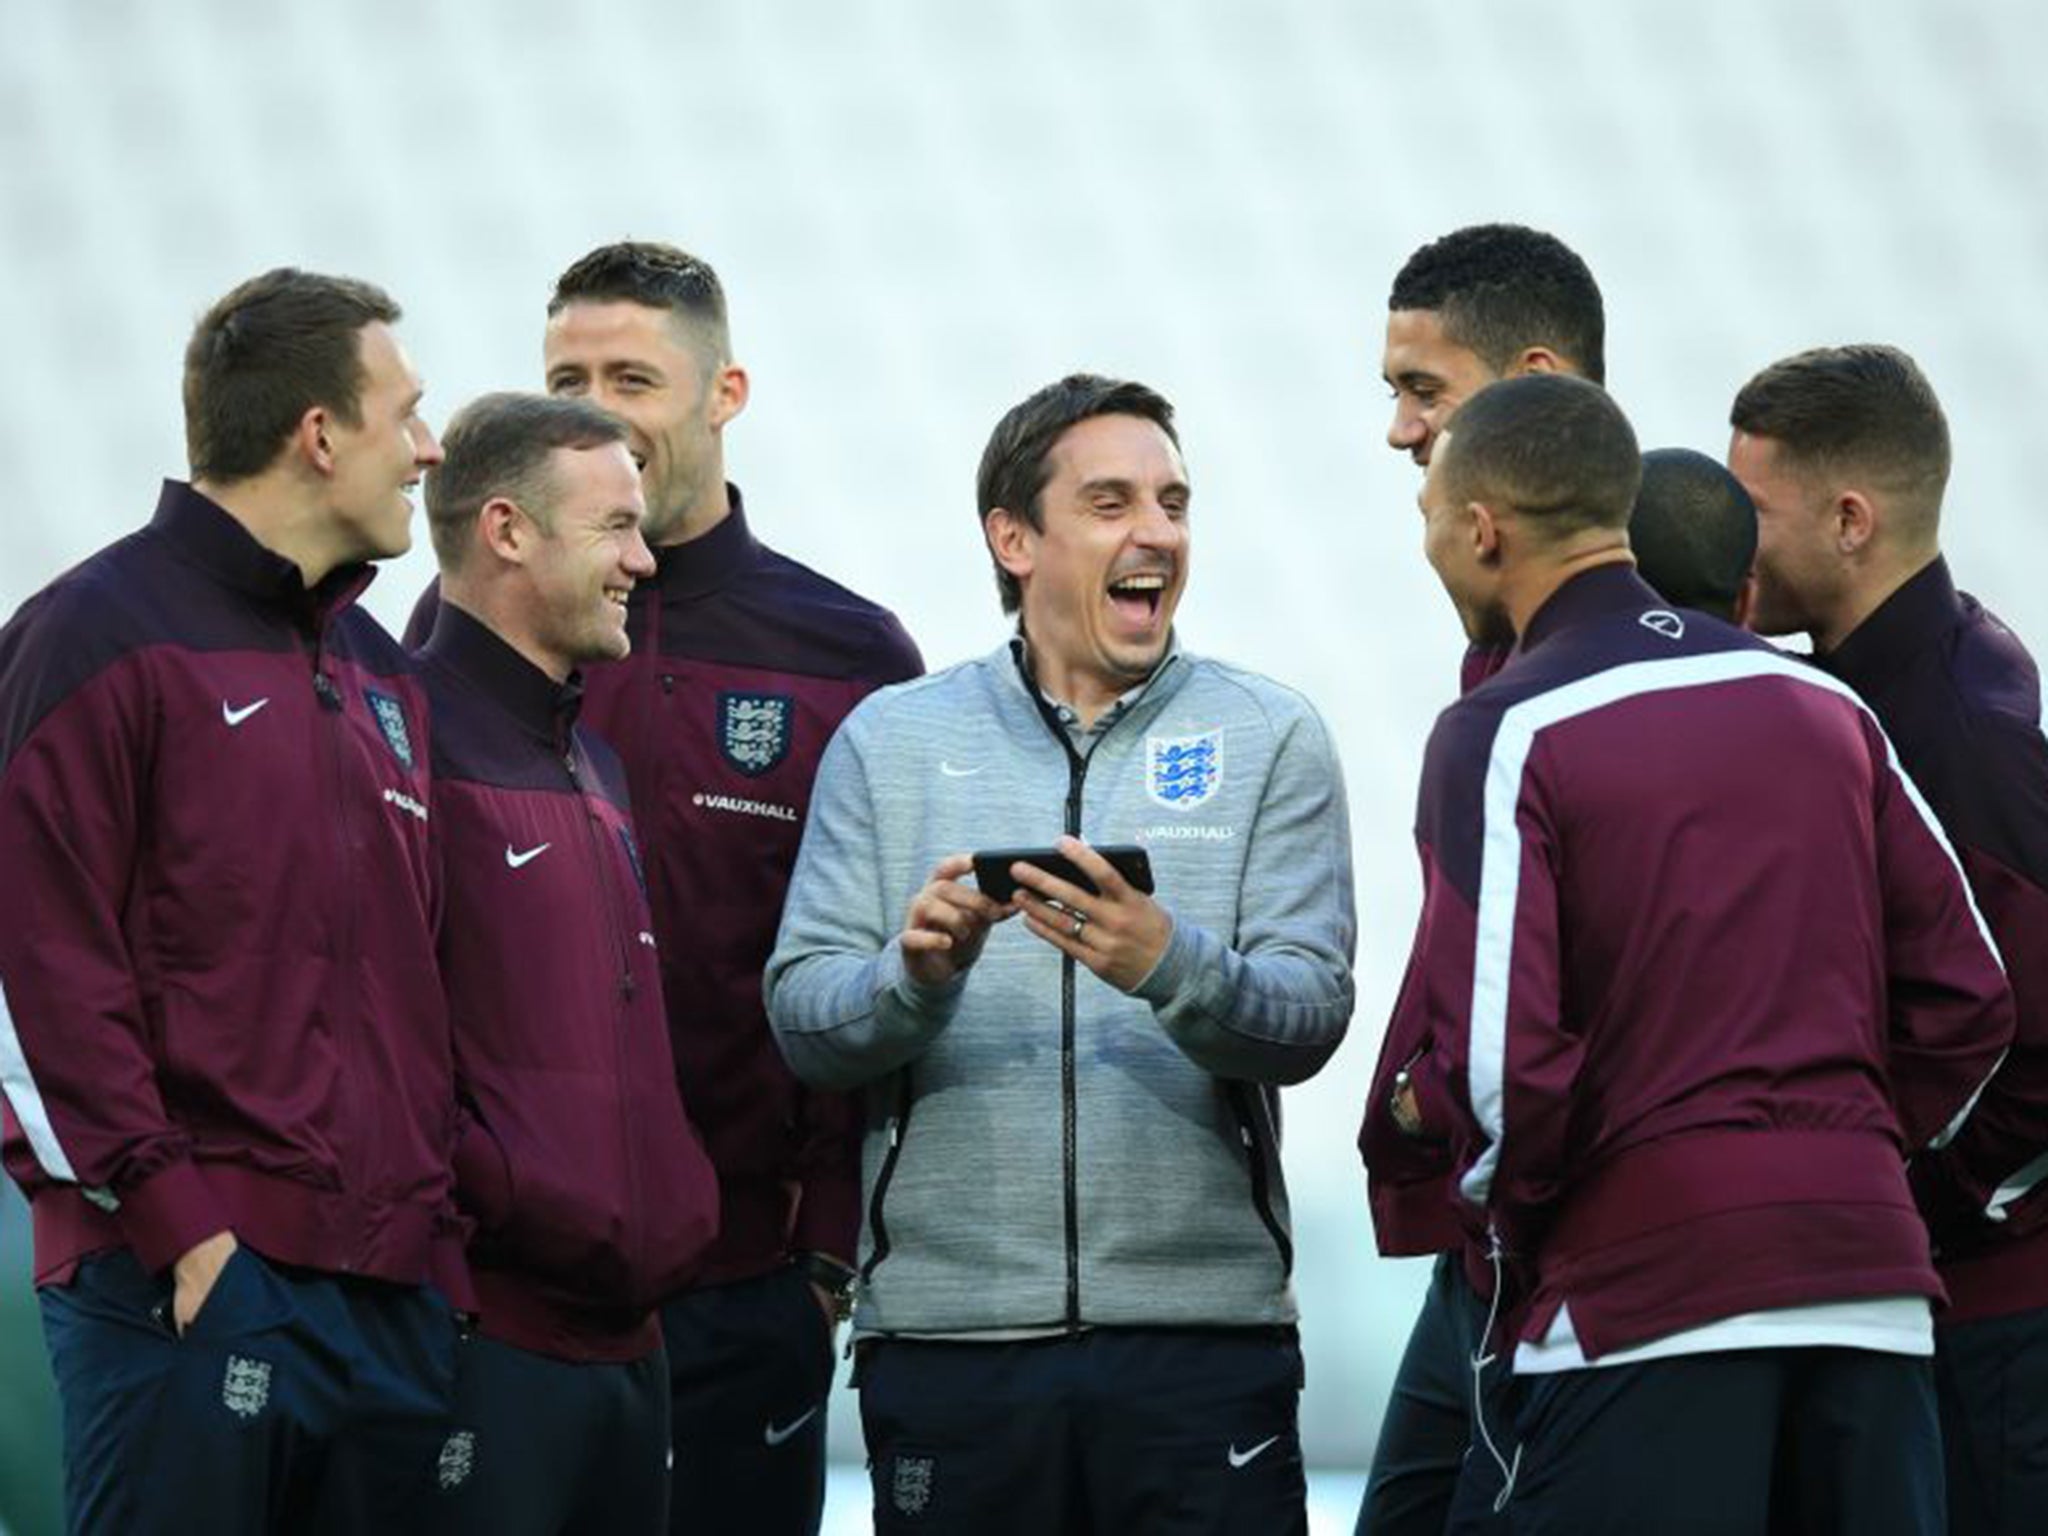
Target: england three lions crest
753	730
1182	772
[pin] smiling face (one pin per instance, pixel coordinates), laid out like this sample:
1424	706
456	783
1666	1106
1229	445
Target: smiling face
647	367
1800	574
1430	376
1103	573
377	463
583	565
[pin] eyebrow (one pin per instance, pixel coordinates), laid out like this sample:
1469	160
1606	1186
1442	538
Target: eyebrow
1411	377
1125	487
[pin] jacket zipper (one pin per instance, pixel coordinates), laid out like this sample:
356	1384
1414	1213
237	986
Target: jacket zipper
1256	1150
334	711
878	1229
594	842
1077	775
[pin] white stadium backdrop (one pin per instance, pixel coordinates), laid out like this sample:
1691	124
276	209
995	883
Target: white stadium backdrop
924	209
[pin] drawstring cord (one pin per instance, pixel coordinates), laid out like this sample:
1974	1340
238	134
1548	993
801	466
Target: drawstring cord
1480	1361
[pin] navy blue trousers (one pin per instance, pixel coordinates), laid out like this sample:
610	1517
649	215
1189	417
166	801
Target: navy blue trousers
295	1402
1112	1432
1432	1471
749	1366
543	1447
1991	1378
1762	1442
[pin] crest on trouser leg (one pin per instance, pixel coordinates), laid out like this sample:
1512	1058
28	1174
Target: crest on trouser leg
245	1386
458	1460
910	1484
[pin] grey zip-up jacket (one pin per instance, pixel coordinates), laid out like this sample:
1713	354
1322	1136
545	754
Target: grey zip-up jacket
1043	1151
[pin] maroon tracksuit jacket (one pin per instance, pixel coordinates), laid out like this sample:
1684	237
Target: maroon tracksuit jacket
591	1194
744	663
1695	971
221	1008
1961	699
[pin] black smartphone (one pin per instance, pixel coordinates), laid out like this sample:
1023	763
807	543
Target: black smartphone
992	869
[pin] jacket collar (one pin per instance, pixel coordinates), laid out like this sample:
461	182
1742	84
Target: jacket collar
709	561
207	534
474	652
1014	661
1588	596
1882	646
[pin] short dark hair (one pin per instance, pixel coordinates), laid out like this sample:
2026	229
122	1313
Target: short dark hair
1550	447
1693	530
269	351
1861	411
1499	289
652	273
499	445
1014	470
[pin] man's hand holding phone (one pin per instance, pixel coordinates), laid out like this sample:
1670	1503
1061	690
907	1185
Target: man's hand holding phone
947	923
1118	933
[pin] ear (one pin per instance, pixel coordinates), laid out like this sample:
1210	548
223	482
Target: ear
1012	542
1855	522
729	390
1536	360
1486	532
1745	601
313	439
504	530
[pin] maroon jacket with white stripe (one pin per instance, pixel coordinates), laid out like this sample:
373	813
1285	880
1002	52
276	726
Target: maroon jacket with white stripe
1697	968
1961	698
221	1008
591	1193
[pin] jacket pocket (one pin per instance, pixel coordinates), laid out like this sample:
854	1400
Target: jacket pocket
878	1226
1254	1129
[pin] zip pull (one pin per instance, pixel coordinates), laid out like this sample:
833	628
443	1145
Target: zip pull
324	689
1509	1470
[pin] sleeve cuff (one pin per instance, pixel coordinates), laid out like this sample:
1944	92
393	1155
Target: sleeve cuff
169	1213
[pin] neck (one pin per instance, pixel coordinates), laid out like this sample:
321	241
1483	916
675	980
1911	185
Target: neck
1087	694
1866	592
283	520
491	606
704	512
1525	591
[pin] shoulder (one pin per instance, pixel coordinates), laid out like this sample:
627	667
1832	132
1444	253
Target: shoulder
869	632
1994	675
1280	707
91	618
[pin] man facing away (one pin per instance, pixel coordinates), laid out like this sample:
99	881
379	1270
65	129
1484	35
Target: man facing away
590	1193
223	1043
1846	452
1075	1307
1700	971
743	663
1485	302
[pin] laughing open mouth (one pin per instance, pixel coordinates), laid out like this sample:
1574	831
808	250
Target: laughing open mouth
1137	597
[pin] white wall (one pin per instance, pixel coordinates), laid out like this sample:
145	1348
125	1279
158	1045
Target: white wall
925	210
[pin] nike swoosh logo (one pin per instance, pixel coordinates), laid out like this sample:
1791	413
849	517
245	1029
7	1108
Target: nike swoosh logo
960	773
1245	1458
521	860
775	1436
235	716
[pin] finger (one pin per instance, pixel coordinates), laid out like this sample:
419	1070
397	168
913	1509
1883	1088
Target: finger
931	913
1105	875
967	898
1059	933
951	867
925	941
1030	877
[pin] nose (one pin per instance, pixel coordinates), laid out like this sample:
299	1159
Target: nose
1406	430
426	448
1159	528
639	561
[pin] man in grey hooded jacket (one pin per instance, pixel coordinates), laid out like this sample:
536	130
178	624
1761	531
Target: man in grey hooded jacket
1074	1308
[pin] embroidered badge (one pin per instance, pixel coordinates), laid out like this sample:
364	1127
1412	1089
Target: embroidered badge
1182	772
1665	622
245	1386
458	1459
910	1487
390	717
753	730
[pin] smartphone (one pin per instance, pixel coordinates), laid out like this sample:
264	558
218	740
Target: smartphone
992	869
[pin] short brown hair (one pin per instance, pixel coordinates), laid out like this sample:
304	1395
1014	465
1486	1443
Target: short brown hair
657	275
1862	411
271	350
500	445
1550	447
